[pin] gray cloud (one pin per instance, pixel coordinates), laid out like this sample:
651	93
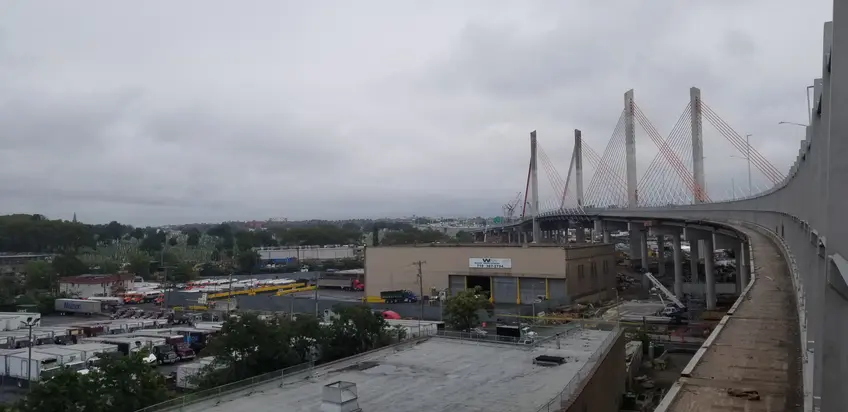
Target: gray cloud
212	110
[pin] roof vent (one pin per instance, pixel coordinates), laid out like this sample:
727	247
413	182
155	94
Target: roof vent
545	360
340	396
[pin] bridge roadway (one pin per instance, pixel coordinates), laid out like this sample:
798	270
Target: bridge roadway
757	349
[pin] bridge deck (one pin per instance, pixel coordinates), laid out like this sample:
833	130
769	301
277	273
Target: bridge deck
757	349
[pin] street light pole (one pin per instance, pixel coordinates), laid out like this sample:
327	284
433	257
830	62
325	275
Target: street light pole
748	157
30	322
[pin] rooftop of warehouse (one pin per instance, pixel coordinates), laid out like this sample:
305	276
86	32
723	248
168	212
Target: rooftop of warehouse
439	374
499	245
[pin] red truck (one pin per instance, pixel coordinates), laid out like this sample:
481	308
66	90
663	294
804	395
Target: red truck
343	284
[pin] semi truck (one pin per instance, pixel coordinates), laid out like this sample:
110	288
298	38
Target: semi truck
83	306
341	283
398	296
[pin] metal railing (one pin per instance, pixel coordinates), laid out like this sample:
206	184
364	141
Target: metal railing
219	392
566	396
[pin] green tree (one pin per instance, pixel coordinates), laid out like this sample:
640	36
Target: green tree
182	272
464	237
461	310
137	233
67	391
192	237
248	346
118	384
127	383
69	264
173	241
40	275
139	264
356	329
248	261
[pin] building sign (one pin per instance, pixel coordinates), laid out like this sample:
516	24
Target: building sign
489	263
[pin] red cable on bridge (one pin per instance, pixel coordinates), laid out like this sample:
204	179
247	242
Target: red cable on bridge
670	156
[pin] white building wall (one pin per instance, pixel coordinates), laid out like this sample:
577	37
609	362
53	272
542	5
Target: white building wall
87	290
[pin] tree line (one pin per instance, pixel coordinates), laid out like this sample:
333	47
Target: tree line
246	346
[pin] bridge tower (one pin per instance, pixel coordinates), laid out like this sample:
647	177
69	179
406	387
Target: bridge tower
630	147
699	189
578	165
534	187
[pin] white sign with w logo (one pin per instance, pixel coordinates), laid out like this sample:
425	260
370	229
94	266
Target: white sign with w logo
489	263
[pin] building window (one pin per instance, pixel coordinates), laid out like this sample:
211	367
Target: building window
606	267
580	274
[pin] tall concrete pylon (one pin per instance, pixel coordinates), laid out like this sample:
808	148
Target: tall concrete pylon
630	146
534	187
578	165
699	190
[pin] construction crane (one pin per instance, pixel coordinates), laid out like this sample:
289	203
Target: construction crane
509	208
678	307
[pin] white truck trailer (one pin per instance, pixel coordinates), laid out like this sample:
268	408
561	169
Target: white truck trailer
81	306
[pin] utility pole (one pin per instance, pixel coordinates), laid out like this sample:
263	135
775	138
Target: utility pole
748	158
420	263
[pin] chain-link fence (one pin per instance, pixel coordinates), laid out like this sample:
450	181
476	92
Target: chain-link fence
563	400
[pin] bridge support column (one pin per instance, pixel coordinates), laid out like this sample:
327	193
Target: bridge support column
678	265
742	265
661	255
709	270
630	149
607	236
634	229
643	242
580	234
591	235
698	190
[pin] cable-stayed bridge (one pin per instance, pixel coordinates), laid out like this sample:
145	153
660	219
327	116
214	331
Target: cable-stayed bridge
787	335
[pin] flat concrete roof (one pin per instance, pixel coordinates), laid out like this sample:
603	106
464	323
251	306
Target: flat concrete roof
439	374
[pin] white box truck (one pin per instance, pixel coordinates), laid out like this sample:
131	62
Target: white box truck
82	306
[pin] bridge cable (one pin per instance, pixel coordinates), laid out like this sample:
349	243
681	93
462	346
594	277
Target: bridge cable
731	135
655	185
671	157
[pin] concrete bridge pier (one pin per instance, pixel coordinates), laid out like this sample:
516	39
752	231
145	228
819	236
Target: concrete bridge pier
661	255
697	238
662	232
678	265
634	230
734	244
580	234
601	227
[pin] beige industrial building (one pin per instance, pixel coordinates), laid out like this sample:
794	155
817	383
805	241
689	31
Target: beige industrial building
578	272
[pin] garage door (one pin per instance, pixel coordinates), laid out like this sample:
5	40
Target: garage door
505	289
557	292
530	289
456	283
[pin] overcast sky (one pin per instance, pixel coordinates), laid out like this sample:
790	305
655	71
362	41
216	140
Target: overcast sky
153	112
